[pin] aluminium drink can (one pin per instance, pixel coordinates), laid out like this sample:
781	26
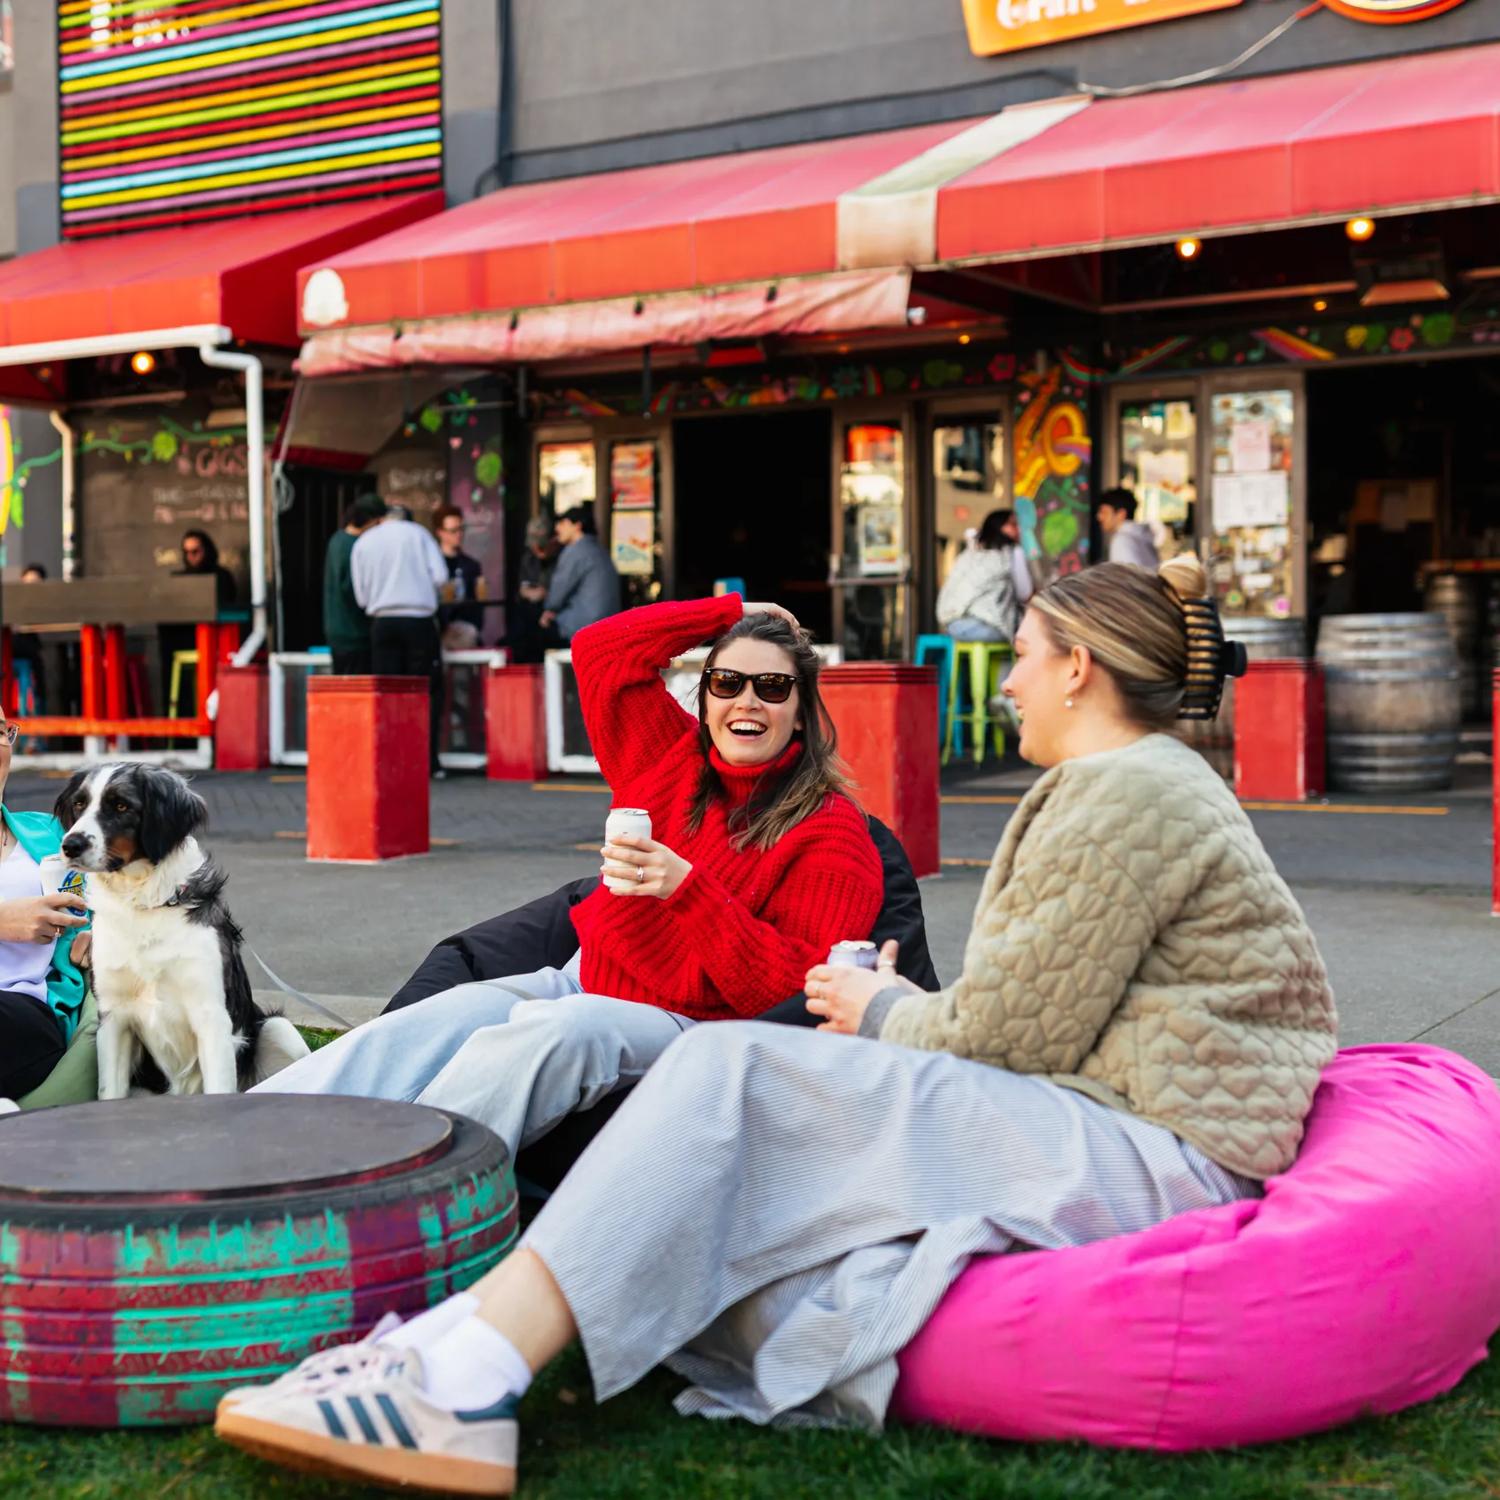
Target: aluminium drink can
854	955
634	820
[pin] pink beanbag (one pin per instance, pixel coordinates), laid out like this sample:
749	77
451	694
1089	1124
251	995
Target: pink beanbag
1367	1279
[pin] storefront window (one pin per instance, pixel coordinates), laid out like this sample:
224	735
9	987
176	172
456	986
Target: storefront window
1159	466
872	495
1253	446
634	521
968	481
565	476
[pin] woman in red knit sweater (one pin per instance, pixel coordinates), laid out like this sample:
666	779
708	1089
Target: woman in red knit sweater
758	864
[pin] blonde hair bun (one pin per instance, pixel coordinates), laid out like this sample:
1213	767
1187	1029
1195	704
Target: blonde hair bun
1184	575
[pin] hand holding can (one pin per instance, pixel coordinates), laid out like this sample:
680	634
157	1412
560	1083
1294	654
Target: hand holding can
625	820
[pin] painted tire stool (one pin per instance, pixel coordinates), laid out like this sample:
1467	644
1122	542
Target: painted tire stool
155	1252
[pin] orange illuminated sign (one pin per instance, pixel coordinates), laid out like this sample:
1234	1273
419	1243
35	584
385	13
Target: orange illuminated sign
1009	25
1391	12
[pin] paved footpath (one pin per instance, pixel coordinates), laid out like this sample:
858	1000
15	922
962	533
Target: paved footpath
1397	889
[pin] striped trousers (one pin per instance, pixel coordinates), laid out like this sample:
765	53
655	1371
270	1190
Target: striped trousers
774	1214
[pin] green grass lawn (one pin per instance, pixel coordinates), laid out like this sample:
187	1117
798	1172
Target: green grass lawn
636	1446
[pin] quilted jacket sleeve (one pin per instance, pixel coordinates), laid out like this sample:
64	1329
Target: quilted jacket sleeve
1056	941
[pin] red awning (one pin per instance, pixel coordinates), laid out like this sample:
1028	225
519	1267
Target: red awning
1407	133
711	238
239	274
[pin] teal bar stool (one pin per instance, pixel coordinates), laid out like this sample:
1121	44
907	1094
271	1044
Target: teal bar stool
980	664
937	650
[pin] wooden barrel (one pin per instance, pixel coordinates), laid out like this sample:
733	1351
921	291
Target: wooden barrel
1264	639
156	1252
1458	598
1391	683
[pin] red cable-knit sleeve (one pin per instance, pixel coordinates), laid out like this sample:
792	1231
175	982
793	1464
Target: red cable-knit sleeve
631	717
831	890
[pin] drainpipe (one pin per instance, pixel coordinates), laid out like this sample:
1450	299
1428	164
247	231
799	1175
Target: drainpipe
69	504
255	420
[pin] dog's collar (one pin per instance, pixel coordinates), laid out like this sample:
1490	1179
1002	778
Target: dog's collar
178	896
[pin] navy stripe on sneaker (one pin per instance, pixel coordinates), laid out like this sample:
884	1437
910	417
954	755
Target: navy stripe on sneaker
402	1431
335	1424
366	1425
504	1410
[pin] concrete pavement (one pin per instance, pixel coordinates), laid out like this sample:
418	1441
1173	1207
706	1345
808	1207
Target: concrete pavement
1397	890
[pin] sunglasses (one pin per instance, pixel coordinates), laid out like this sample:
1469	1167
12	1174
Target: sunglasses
9	733
770	687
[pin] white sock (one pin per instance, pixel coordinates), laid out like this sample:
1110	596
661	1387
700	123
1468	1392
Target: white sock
424	1330
473	1366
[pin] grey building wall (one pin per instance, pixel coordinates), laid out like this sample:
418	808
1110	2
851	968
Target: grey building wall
28	182
471	95
601	86
33	125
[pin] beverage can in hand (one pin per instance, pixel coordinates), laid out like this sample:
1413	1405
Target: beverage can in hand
854	955
58	876
622	820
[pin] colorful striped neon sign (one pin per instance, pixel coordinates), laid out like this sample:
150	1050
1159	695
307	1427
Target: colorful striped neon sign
177	112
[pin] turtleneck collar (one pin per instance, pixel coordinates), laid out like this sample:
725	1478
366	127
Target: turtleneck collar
739	782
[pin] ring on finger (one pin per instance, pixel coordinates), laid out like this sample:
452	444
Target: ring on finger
640	873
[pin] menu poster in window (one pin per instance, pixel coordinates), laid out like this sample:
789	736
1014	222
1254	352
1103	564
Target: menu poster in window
632	476
1250	447
1251	500
879	540
633	542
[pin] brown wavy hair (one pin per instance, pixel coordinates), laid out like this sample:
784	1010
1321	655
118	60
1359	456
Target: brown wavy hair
779	803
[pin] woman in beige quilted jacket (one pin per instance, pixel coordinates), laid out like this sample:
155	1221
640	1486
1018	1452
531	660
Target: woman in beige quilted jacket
1137	1032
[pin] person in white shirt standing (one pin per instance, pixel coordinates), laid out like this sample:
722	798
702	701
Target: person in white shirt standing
397	570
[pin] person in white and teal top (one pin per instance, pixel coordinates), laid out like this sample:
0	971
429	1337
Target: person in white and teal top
41	987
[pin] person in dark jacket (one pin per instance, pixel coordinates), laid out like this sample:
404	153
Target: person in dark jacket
585	586
346	627
541	935
460	619
200	554
533	577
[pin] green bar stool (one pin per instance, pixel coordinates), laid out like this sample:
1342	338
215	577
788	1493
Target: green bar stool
981	663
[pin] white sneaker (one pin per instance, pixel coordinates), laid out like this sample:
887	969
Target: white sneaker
374	1424
320	1370
9	1107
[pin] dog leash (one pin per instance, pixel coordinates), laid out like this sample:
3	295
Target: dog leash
297	994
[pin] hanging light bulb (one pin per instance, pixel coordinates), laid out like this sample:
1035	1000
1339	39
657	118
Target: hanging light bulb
143	362
1360	229
1189	248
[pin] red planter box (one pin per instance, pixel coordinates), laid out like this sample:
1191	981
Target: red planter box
242	731
1278	732
367	786
886	714
515	724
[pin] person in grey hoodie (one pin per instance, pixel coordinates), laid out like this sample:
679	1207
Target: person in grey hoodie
585	586
1129	540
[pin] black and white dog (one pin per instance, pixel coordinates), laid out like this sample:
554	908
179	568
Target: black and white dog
175	1010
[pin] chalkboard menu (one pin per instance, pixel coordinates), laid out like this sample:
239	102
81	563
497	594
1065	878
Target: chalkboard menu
143	482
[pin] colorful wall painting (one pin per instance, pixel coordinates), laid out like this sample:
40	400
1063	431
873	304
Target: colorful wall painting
12	511
814	382
476	485
1472	328
172	113
1051	484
